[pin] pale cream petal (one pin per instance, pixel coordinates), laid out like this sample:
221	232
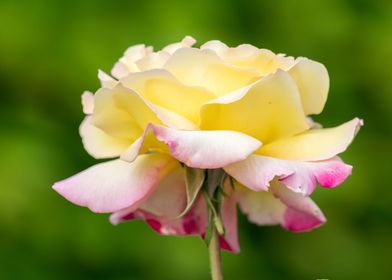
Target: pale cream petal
98	143
88	102
187	42
106	80
196	67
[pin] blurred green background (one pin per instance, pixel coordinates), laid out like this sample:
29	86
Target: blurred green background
50	52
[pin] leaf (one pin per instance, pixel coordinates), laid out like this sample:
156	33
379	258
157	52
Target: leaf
194	179
215	177
216	219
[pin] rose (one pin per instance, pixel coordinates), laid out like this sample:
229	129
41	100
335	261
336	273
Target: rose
170	115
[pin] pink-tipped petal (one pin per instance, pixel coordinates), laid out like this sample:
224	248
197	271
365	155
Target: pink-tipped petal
314	144
195	222
196	148
115	185
256	172
206	149
302	214
229	241
291	210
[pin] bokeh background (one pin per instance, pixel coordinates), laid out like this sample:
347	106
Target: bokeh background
50	52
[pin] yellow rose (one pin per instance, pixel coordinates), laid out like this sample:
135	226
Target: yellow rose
244	110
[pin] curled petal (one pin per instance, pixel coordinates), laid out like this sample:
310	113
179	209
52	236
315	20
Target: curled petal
291	210
163	89
256	172
196	67
269	109
199	148
98	143
312	80
245	55
301	214
315	144
116	184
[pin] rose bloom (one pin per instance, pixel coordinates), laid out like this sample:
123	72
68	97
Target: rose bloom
244	110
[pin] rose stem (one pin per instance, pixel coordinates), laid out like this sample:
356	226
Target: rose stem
215	256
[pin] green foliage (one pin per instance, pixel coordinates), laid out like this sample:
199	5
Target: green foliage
50	52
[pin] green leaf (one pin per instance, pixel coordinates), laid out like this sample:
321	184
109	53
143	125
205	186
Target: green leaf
215	218
194	179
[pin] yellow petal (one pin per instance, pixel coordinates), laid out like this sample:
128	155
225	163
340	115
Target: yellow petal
120	112
312	80
268	110
315	144
98	143
164	90
196	67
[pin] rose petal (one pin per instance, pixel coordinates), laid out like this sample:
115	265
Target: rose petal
88	102
229	219
187	42
169	198
293	211
115	185
99	144
106	80
256	172
199	148
196	67
312	80
195	222
152	61
267	110
302	214
246	55
315	144
163	89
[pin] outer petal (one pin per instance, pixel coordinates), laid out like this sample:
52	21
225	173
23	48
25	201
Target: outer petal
169	198
127	63
312	80
315	144
196	67
267	110
99	144
256	172
302	214
106	80
194	222
88	102
201	149
114	185
187	42
292	210
229	218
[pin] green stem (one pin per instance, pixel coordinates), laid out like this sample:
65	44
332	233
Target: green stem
215	256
